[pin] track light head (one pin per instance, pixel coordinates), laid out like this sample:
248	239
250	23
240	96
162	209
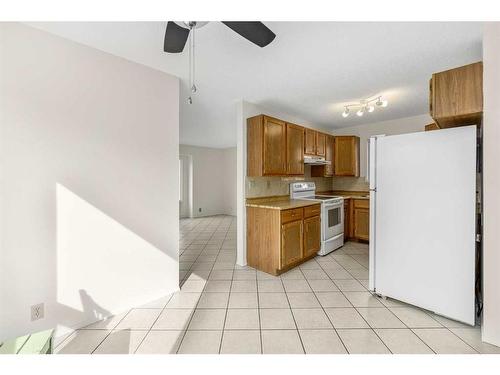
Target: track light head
364	106
381	103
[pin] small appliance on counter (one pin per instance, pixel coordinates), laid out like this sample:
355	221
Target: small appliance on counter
332	214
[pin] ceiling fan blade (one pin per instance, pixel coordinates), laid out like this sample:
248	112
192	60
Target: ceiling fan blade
175	38
254	31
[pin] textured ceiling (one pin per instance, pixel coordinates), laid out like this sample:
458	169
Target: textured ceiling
309	71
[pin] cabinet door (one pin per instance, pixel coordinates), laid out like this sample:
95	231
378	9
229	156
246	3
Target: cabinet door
312	235
294	149
329	156
310	142
361	223
457	95
347	219
291	243
274	147
346	160
320	144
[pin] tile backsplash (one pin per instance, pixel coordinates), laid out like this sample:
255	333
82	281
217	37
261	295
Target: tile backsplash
350	184
273	186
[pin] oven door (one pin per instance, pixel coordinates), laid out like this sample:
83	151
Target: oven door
333	219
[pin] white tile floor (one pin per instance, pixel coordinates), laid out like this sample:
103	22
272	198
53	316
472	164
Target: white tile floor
322	306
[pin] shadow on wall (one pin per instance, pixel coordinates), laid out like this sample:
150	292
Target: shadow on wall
121	340
99	259
98	268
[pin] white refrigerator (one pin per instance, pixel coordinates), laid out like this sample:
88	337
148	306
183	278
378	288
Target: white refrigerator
423	220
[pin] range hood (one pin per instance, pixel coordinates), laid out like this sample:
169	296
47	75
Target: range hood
315	160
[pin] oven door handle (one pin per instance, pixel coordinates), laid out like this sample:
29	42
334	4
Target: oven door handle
333	205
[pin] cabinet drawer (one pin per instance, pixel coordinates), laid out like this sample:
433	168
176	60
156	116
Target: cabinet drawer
361	203
310	211
291	215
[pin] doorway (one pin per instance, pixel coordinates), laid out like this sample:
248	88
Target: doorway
185	186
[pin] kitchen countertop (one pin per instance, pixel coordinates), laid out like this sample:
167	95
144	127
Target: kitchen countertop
282	204
347	194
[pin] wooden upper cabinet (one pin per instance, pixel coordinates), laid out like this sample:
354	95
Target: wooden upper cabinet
291	243
312	235
320	144
346	155
329	156
456	96
432	126
310	142
274	146
325	170
294	149
266	146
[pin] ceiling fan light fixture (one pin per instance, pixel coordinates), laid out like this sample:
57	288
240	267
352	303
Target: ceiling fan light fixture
361	112
346	112
370	108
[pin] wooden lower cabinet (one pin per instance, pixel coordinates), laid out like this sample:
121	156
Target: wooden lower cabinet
356	219
361	219
292	249
361	224
347	219
278	240
312	235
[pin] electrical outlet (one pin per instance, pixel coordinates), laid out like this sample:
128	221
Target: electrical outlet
37	312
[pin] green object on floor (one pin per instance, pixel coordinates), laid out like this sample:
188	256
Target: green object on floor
36	343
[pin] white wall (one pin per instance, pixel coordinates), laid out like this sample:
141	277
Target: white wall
230	180
214	180
88	182
392	127
491	184
245	110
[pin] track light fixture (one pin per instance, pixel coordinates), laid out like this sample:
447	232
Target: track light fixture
381	103
365	105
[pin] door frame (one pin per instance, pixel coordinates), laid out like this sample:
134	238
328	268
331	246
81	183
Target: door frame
188	166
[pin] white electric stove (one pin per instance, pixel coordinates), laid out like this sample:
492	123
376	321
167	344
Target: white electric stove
332	214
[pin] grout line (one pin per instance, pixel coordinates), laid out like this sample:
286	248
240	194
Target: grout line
203	291
454	334
150	328
194	310
324	311
293	316
258	312
362	317
225	316
110	331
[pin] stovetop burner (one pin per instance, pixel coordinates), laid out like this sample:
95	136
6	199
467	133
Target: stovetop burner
322	197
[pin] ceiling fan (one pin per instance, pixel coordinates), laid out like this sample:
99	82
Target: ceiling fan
177	34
